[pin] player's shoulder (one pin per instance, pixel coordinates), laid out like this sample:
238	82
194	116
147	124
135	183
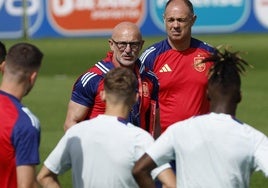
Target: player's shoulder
31	117
253	135
163	44
8	100
95	73
101	68
81	128
20	113
139	131
199	44
88	78
187	123
155	49
22	117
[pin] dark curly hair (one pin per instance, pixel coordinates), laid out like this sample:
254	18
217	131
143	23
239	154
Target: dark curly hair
227	67
224	75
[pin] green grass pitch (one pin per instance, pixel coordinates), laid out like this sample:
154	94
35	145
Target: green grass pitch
66	59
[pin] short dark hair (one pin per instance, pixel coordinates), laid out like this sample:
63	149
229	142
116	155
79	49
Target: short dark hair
3	52
226	70
24	56
121	82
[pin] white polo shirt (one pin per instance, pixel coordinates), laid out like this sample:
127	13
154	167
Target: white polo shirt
101	152
212	151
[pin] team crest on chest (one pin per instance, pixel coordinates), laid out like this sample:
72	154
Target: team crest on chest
145	89
198	65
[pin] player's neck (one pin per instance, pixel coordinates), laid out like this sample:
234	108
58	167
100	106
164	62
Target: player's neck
117	110
12	89
225	108
179	45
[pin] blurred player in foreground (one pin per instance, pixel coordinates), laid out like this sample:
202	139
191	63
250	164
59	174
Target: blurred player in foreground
19	128
212	150
103	150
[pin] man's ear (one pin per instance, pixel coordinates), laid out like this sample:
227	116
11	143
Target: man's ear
103	95
111	44
194	19
2	65
33	77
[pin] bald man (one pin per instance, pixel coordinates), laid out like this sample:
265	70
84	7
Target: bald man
125	45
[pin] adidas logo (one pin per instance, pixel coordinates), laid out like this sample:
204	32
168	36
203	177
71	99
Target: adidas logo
165	68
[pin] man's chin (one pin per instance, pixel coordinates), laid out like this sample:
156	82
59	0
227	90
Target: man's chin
176	37
127	63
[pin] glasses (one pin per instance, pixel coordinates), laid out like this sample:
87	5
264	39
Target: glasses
121	45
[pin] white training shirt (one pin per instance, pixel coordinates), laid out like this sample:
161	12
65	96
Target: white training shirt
212	151
101	152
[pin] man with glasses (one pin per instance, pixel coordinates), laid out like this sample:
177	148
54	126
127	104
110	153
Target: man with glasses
125	44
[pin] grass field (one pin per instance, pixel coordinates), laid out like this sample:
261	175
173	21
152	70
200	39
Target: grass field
65	59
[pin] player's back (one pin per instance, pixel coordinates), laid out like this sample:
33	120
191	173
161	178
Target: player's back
217	151
109	150
7	162
18	126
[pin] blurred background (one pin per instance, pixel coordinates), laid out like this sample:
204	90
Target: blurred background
85	18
